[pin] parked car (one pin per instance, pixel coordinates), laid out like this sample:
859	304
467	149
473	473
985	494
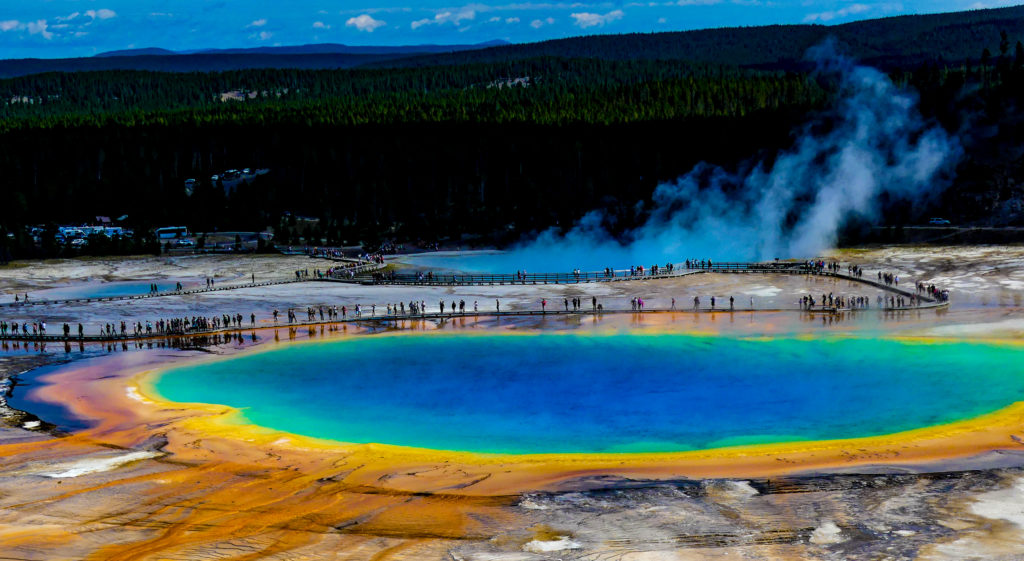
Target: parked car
939	222
80	242
186	243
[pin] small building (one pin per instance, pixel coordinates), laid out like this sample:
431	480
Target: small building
171	232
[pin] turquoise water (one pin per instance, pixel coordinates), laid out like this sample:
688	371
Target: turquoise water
536	261
603	393
104	290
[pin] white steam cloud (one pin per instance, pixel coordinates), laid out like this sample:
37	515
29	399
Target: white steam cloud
876	145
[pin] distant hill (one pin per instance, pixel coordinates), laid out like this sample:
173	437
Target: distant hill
338	48
902	41
186	63
137	52
311	49
318	57
895	42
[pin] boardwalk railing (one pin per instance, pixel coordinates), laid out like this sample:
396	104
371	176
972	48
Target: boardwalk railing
676	270
525	278
771	267
434	315
183	292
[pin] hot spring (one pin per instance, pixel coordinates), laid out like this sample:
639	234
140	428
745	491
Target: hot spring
536	261
578	393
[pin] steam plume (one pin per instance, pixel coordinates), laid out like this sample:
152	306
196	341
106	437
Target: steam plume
875	144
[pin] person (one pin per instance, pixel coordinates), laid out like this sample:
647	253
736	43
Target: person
593	300
673	304
252	319
440	304
543	305
474	307
497	305
730	302
254	278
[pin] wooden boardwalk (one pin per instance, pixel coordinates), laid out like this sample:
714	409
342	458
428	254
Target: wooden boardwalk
617	275
46	302
442	317
364	274
454	279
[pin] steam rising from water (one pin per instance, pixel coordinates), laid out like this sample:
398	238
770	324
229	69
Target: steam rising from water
875	144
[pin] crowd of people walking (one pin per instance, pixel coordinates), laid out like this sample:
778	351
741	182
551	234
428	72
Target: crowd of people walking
203	324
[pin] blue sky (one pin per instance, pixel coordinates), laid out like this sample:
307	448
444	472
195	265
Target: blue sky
64	28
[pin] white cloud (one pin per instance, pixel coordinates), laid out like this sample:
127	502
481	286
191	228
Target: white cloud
71	25
262	35
320	25
850	10
539	23
87	17
38	27
587	19
662	20
455	17
102	13
365	23
499	19
258	23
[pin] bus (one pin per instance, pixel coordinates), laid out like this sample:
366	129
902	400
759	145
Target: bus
171	232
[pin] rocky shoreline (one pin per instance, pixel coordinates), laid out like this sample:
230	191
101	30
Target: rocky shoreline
15	424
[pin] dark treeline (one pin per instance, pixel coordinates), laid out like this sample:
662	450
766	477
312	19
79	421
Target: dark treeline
491	150
419	153
410	180
892	43
540	91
